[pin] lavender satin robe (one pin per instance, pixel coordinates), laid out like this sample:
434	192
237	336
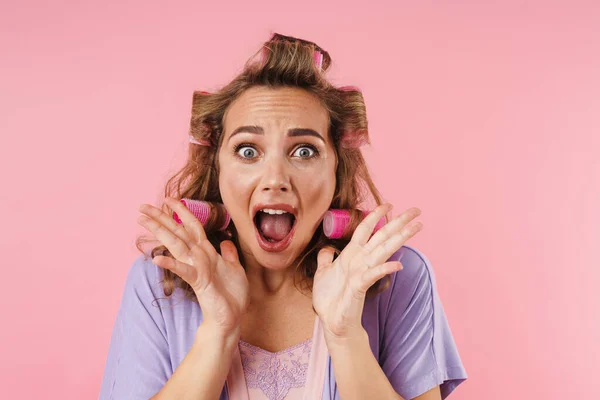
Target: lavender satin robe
408	333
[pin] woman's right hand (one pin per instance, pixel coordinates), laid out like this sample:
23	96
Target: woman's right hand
219	281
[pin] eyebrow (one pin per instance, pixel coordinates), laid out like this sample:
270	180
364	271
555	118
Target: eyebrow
294	132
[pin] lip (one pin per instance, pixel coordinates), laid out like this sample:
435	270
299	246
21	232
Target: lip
283	243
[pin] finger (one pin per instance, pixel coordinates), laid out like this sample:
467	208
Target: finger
169	223
193	276
173	242
372	275
363	231
325	257
229	252
392	227
384	250
190	232
189	220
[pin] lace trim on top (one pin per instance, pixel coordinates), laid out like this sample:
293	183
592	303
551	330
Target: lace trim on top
275	373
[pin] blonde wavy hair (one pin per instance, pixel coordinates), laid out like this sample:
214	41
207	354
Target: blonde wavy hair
283	61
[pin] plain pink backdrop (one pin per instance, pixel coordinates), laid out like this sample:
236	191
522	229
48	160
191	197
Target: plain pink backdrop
486	117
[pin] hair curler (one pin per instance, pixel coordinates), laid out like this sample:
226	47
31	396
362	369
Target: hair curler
202	210
336	220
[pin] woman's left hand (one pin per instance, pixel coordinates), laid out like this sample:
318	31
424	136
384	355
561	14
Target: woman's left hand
340	287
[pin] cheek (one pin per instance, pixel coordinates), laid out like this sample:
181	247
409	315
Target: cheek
236	192
317	191
233	185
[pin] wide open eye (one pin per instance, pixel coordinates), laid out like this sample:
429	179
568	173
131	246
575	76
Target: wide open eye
245	151
306	151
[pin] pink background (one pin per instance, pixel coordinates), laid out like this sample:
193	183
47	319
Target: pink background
484	116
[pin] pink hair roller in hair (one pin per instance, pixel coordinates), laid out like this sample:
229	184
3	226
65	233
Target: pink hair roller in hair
318	59
335	221
201	210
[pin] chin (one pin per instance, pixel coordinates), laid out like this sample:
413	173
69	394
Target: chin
276	261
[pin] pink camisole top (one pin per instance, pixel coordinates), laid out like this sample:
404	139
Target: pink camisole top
295	373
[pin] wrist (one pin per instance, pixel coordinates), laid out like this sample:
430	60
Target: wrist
225	341
350	338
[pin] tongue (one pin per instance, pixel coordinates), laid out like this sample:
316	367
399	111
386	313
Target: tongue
275	227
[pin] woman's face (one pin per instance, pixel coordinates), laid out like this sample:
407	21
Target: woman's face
276	154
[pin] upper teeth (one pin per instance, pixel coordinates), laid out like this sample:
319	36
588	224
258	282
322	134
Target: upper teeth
271	211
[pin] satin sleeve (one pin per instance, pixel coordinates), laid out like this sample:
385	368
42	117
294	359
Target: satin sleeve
418	351
138	363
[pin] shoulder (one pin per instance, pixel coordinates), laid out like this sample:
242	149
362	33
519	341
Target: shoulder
144	285
411	288
144	275
417	268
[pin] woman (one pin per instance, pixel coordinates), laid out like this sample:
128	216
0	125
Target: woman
218	314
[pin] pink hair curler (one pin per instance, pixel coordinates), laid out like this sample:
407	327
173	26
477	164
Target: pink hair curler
335	221
201	210
318	59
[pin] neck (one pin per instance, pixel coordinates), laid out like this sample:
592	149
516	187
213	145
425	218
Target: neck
275	284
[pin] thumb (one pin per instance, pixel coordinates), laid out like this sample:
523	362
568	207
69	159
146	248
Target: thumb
325	257
229	251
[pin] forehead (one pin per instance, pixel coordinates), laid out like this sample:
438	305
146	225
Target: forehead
276	108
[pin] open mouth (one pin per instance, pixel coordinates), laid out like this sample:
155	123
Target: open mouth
274	230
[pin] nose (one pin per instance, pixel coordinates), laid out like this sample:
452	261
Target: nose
275	177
